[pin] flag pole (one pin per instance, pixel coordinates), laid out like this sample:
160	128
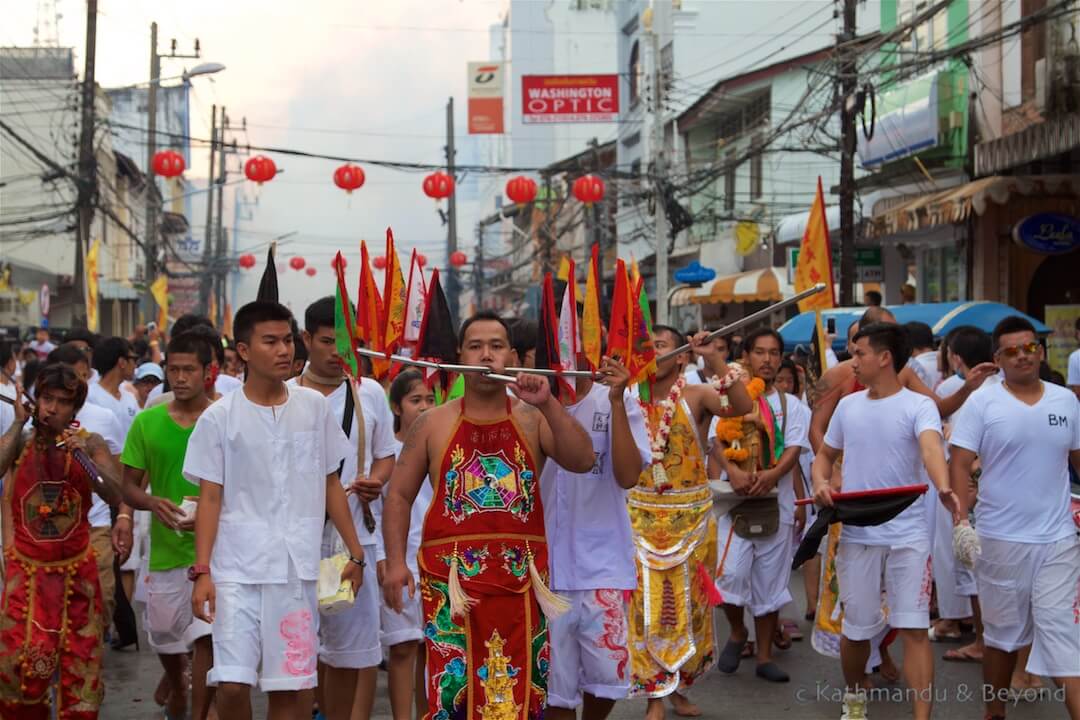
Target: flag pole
751	318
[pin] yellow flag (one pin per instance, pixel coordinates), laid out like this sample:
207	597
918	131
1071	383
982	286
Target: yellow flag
590	314
815	258
564	269
160	290
92	286
213	310
395	296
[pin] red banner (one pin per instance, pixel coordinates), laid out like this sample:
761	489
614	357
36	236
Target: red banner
569	98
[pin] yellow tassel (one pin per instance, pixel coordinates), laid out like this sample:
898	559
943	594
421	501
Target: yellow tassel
460	602
551	604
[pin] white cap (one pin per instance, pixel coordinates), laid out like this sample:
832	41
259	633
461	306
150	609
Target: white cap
149	370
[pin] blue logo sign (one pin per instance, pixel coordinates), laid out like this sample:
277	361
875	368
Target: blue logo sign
1048	233
694	274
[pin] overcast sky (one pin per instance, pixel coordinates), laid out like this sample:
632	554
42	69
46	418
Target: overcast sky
357	79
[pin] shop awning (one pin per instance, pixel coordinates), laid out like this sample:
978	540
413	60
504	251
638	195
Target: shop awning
956	204
764	285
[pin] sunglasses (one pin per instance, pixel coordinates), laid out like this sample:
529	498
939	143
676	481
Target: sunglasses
1031	348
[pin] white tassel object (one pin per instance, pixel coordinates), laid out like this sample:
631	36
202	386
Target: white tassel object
460	602
552	604
966	544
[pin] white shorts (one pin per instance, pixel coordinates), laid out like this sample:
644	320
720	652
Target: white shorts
907	579
350	639
966	585
170	625
140	541
756	572
406	626
1030	593
588	649
266	633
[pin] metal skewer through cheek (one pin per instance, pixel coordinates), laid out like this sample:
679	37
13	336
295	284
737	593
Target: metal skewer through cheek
482	369
742	322
80	457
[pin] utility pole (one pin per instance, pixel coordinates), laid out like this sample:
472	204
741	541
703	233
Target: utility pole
848	81
661	229
220	267
205	287
453	286
151	240
478	267
87	165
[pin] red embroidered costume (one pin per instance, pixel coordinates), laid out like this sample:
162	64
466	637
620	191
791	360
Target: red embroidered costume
51	614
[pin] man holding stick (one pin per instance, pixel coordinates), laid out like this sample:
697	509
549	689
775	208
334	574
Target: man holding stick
483	555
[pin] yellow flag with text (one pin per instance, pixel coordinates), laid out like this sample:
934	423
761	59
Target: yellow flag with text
160	290
92	286
815	258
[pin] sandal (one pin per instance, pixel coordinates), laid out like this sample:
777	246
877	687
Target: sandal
791	628
944	637
748	651
961	655
781	640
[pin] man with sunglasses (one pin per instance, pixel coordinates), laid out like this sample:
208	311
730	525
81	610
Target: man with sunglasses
1026	432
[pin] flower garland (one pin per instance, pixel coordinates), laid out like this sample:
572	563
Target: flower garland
731	430
658	439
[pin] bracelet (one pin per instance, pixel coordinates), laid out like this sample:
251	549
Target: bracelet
125	516
357	561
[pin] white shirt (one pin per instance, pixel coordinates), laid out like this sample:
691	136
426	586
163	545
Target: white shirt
272	464
590	545
1073	378
379	443
880	440
797	434
931	374
124	409
1024	487
416	517
224	385
41	349
949	386
7	412
99	420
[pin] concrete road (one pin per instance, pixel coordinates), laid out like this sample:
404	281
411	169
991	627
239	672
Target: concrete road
131	677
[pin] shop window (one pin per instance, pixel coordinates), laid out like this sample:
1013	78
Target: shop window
941	275
635	73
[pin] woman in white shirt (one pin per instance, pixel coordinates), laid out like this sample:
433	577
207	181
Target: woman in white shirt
403	633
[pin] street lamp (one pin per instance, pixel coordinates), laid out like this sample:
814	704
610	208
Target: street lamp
209	68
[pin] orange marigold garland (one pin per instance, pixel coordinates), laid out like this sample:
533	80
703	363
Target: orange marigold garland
731	430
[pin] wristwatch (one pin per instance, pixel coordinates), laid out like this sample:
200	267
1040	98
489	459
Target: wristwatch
358	561
196	570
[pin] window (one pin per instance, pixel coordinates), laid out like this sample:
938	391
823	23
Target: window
757	167
1032	48
667	68
729	180
634	73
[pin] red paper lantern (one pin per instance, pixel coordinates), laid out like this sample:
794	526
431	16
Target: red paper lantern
589	189
421	259
349	177
438	185
458	258
334	263
168	163
247	261
260	169
310	272
379	262
297	263
521	189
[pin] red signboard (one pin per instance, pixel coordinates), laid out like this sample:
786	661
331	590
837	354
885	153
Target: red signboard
569	98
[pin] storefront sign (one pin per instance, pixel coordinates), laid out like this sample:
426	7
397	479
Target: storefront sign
907	122
868	267
569	98
485	98
1048	233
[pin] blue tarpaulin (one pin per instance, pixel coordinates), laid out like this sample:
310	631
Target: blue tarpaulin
942	317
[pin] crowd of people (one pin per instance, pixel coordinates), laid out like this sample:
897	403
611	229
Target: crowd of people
528	547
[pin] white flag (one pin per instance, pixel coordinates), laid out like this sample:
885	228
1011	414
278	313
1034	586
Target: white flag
415	300
569	336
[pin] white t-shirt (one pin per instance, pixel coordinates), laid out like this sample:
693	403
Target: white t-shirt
272	464
1073	378
931	374
41	349
796	434
7	412
99	420
416	517
949	386
224	385
590	545
379	443
880	441
124	409
1024	487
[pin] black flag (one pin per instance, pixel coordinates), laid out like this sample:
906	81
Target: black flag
268	288
861	509
438	336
